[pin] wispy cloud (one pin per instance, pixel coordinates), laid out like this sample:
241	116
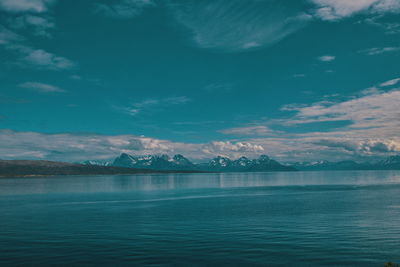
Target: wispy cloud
124	9
75	77
31	15
219	87
379	50
235	25
18	6
40	26
391	27
42	87
259	130
390	82
8	37
327	58
152	105
32	57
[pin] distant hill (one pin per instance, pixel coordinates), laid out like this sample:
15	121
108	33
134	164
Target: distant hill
391	163
41	167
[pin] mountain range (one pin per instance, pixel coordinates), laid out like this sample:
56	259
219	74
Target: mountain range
218	164
129	164
242	164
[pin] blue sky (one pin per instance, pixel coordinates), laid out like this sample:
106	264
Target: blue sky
297	80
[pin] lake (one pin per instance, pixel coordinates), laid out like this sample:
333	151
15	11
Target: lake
233	219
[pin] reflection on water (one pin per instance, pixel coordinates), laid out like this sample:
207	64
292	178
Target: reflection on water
123	183
232	219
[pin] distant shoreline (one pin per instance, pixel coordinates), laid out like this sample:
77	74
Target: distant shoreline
43	168
34	168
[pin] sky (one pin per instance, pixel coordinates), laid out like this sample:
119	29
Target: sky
296	80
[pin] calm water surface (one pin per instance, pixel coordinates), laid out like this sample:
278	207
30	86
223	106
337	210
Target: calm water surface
254	219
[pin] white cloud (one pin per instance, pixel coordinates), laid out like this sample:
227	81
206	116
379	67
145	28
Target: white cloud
41	87
43	59
231	149
377	51
249	131
336	9
17	6
77	147
235	25
153	105
327	58
371	146
339	9
371	115
390	82
371	91
371	130
125	9
328	146
384	6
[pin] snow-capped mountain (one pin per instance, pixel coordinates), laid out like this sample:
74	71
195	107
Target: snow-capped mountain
308	163
264	163
96	163
324	165
243	164
219	164
180	160
155	162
